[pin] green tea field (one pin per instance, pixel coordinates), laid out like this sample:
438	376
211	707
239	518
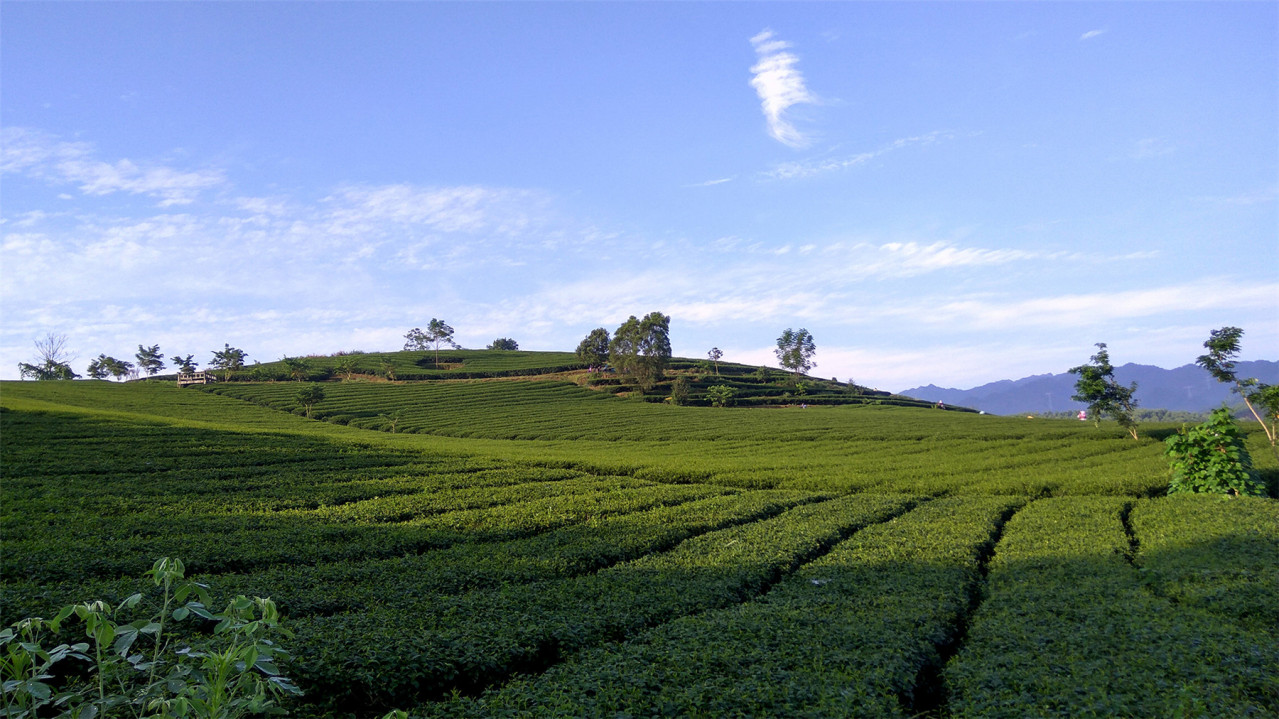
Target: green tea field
526	545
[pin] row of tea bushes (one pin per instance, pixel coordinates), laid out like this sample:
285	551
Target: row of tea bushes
1221	556
572	550
243	542
1069	630
847	635
400	656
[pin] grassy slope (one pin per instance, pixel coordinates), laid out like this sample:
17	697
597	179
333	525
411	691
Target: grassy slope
843	448
246	481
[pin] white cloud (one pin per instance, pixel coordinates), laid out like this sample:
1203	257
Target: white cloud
1078	310
1257	197
711	183
780	86
1093	33
799	170
42	155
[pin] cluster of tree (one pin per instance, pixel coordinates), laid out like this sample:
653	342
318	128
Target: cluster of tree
1097	387
503	343
1223	352
639	348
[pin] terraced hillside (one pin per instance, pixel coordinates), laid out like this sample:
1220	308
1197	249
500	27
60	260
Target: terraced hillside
543	549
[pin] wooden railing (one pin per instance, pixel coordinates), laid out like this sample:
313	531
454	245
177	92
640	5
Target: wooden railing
185	379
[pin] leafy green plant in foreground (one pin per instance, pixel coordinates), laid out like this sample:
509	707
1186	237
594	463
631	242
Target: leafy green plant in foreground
134	668
1211	457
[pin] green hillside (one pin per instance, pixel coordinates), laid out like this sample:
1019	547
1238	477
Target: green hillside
751	386
538	547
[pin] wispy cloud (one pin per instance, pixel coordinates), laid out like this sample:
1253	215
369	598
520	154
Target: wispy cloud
711	183
1083	310
780	86
797	170
1149	147
43	155
1093	33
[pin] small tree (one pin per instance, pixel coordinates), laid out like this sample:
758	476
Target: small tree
186	365
100	367
393	418
388	369
229	359
120	368
346	367
504	343
1097	387
795	350
594	349
150	360
52	360
720	395
298	368
679	391
1223	350
1211	457
715	355
308	395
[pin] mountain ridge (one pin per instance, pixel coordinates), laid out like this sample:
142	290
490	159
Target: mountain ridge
1187	388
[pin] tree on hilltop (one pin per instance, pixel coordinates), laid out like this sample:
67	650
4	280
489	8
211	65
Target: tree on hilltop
416	340
52	360
594	349
298	368
715	355
642	348
228	360
185	365
1097	388
795	350
149	359
437	332
504	343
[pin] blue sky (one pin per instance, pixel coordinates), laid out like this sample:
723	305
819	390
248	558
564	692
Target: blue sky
940	193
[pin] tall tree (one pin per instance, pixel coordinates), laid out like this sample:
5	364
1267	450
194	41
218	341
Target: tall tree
1097	387
642	348
308	395
229	359
715	355
186	365
1223	352
438	331
654	348
795	350
623	349
594	349
149	359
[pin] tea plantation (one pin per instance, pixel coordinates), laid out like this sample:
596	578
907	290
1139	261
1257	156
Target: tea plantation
527	543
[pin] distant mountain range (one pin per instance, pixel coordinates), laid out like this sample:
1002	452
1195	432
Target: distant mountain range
1189	388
